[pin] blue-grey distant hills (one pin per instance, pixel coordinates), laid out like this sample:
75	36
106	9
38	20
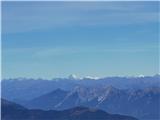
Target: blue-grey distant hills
13	111
133	96
142	104
27	89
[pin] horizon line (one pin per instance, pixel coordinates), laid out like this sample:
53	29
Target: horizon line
73	76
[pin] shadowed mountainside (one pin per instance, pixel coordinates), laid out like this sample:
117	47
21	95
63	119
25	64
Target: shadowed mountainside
12	111
142	104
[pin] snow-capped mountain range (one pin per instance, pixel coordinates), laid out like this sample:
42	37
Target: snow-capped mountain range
132	96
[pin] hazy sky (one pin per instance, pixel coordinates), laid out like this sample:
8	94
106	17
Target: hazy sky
55	39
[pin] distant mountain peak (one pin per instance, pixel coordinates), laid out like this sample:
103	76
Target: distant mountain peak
72	77
141	75
90	77
157	75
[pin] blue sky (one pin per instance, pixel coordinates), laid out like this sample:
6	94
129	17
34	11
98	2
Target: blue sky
55	39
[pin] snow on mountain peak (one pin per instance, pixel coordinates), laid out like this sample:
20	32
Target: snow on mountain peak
90	77
141	75
72	77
